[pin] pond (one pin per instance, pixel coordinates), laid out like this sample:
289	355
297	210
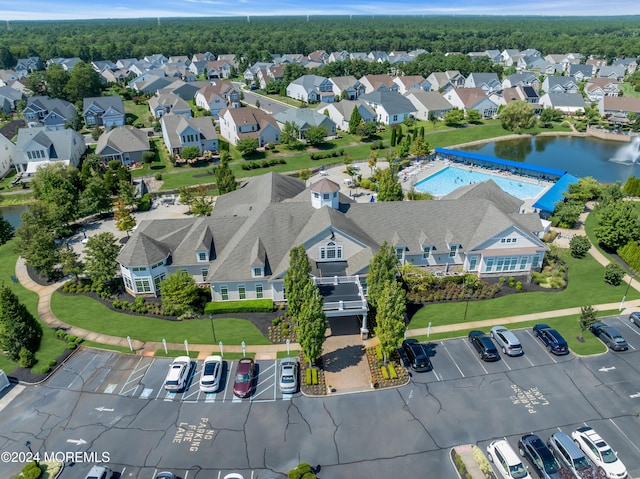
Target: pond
576	155
13	214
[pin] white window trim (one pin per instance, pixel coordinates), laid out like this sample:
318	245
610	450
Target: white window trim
199	254
426	252
260	271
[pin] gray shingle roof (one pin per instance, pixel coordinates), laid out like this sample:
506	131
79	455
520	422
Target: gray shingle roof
487	190
394	103
123	139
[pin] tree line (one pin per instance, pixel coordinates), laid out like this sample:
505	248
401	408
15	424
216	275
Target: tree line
90	40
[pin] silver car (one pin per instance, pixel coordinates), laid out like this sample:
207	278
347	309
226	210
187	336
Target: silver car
289	375
507	341
99	472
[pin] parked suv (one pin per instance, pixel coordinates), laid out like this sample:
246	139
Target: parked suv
539	455
484	346
178	374
551	338
506	460
570	456
609	336
416	354
600	453
507	341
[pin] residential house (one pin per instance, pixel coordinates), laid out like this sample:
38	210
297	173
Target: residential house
121	75
557	84
391	107
531	52
9	98
445	81
52	113
521	79
179	131
489	82
250	74
409	83
472	99
157	60
618	105
242	250
429	104
230	58
567	103
166	103
378	83
7	77
630	64
6	155
338	56
101	65
530	63
209	99
178	71
106	111
580	72
243	123
182	60
340	112
318	56
203	57
126	63
24	66
596	88
494	55
524	93
616	72
124	143
596	63
67	64
311	89
39	146
347	87
550	69
272	73
509	56
198	67
305	118
141	67
152	84
359	56
185	90
378	56
218	69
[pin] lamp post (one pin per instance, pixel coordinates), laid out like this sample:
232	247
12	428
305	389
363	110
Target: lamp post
625	293
213	330
468	295
28	446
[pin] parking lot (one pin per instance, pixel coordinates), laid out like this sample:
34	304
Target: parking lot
143	377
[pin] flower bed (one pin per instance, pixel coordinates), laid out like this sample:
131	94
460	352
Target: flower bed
394	374
282	329
317	373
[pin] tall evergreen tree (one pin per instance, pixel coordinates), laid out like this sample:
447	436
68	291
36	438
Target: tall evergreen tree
18	328
225	179
389	188
101	256
312	323
6	230
296	278
382	269
355	120
390	314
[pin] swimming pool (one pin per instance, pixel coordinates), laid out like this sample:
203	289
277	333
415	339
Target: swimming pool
448	179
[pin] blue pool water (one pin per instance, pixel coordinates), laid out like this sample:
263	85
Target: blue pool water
450	178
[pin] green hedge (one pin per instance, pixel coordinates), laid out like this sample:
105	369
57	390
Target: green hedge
630	253
244	306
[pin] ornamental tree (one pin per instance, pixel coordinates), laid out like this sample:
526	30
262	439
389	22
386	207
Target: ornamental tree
296	279
19	330
382	269
101	256
390	313
517	115
312	322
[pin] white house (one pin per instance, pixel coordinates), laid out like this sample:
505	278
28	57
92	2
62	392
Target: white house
242	123
39	146
340	112
179	131
472	99
568	103
6	155
311	89
429	104
391	107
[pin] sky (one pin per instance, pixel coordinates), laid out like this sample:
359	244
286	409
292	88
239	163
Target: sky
89	9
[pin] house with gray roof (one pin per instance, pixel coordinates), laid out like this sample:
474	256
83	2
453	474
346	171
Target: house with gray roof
560	84
179	131
340	112
166	103
616	72
580	72
24	66
311	89
39	146
445	81
104	111
9	98
381	82
568	103
391	107
6	155
125	144
305	118
8	76
242	250
243	123
407	83
489	82
521	79
151	84
67	64
630	64
429	104
52	113
348	85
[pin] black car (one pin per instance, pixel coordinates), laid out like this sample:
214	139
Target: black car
484	346
540	456
551	338
609	336
417	355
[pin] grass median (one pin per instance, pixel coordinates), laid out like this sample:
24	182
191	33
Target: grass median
85	312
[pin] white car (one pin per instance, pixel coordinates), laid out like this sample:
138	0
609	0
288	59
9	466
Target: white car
211	374
99	472
599	452
178	374
507	341
506	460
289	375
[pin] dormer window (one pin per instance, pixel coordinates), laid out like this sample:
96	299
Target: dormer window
453	250
400	253
326	196
426	252
203	256
257	272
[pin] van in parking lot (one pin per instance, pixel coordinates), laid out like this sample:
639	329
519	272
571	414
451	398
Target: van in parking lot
570	456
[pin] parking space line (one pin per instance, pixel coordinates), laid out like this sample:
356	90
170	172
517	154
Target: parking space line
138	378
539	343
506	363
527	358
633	328
110	388
210	397
83	370
453	360
475	356
625	436
433	370
170	396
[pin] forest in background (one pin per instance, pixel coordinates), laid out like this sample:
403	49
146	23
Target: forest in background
258	38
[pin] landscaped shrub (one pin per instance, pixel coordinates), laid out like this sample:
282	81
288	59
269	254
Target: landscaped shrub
31	470
27	358
579	246
158	176
630	253
462	469
519	286
482	461
613	274
245	306
308	377
302	471
144	203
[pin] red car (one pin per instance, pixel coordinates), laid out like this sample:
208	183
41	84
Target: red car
243	384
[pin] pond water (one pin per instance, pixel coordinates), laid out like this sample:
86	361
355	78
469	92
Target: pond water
13	213
578	156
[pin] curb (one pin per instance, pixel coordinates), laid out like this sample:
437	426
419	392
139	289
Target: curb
25	383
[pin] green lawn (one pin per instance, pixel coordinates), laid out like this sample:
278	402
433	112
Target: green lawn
160	165
586	286
97	317
16	199
5	183
50	347
174	353
138	112
627	90
293	353
119	349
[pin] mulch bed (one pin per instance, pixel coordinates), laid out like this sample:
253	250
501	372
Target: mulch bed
377	379
319	389
24	375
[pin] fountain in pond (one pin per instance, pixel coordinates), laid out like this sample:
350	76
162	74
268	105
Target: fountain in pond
629	154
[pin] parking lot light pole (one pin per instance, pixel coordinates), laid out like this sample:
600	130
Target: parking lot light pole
625	293
213	330
28	446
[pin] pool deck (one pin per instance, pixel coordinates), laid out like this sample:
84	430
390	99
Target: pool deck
414	174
